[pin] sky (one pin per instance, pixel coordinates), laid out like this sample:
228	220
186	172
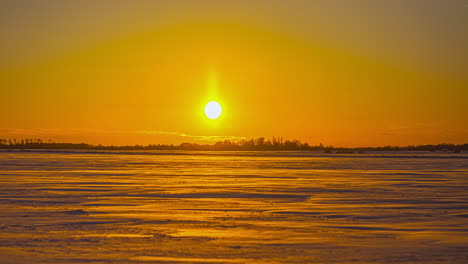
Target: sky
342	73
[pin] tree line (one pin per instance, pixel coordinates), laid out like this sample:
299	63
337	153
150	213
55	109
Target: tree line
274	144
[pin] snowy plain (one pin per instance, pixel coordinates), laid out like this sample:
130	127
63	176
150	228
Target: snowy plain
232	207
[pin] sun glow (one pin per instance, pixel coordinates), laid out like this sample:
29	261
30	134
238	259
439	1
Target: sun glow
213	110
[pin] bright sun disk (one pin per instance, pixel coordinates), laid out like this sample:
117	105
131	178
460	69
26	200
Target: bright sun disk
213	110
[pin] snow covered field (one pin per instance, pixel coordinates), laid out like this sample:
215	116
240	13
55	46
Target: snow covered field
232	207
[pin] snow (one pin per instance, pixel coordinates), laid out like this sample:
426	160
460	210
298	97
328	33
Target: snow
228	207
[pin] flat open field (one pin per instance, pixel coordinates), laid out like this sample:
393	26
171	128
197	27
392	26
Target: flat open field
233	207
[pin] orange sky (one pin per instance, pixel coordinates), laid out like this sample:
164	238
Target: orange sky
365	73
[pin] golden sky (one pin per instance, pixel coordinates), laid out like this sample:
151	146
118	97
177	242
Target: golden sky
345	73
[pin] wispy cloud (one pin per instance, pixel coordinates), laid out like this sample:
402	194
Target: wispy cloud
48	132
180	134
422	129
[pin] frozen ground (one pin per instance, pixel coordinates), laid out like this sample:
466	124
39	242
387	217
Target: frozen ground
228	207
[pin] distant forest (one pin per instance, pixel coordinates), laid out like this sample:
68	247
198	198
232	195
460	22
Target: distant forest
274	144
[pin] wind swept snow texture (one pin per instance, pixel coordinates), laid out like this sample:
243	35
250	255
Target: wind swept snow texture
232	207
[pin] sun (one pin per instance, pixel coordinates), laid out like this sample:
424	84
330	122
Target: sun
213	110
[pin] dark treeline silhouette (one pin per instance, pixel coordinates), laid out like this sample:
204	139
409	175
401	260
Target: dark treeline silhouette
275	144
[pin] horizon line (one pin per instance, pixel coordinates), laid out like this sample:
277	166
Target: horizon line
260	142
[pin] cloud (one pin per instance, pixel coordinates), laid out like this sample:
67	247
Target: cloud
48	132
179	134
389	134
420	130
